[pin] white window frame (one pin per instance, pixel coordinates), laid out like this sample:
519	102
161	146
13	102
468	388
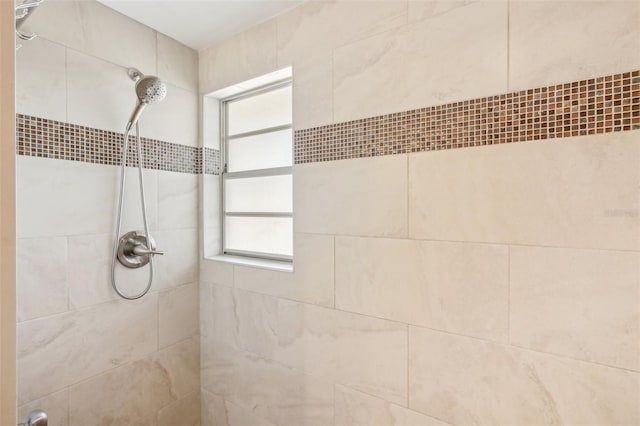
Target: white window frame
225	174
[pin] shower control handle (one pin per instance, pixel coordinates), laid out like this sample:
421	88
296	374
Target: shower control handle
141	250
36	418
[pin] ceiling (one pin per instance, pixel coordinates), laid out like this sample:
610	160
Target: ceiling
200	23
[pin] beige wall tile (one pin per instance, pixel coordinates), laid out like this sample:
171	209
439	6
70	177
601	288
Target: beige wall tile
598	38
353	408
311	280
424	9
578	192
317	27
457	287
468	381
41	81
81	344
152	383
175	119
352	197
411	67
313	91
179	264
184	412
177	200
178	314
56	405
218	412
97	30
177	63
578	303
365	353
247	55
41	281
270	391
214	271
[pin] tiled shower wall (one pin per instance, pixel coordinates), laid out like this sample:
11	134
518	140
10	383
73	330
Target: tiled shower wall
484	285
84	355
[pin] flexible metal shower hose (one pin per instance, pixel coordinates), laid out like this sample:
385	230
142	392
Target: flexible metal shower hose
123	166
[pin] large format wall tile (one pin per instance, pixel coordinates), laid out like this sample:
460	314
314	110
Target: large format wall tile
41	281
411	67
184	412
457	287
177	63
270	391
240	58
177	200
132	394
56	405
579	303
353	408
173	120
354	197
41	81
313	91
311	280
315	28
419	10
468	381
365	353
179	264
94	29
218	412
83	343
597	38
178	314
575	192
78	198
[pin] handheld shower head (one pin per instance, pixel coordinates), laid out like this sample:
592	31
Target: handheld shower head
150	90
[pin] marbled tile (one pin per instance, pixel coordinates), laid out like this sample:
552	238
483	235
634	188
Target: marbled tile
99	93
213	271
242	320
41	281
218	412
56	405
82	344
178	314
311	280
149	384
78	198
177	63
174	119
268	390
419	10
179	264
597	38
41	86
355	197
312	91
578	303
97	30
177	200
457	287
411	67
183	412
467	381
586	185
368	354
315	28
353	408
249	54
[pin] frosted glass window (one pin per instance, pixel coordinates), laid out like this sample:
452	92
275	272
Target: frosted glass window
269	109
261	151
260	234
259	194
257	179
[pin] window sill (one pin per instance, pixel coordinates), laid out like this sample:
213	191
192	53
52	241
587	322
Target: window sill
273	265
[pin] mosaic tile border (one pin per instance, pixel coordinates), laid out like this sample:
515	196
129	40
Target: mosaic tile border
41	137
586	107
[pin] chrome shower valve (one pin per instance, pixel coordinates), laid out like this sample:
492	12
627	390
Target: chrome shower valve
134	251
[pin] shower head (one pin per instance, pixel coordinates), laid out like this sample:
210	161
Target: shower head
149	89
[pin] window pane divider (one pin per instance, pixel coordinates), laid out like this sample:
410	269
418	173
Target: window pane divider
259	214
260	132
274	171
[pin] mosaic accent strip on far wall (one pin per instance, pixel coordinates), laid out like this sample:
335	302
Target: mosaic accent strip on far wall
587	107
40	137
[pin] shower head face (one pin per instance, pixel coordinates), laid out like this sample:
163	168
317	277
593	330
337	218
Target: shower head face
150	90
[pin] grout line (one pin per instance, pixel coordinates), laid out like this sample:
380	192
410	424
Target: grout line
334	274
408	365
508	294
